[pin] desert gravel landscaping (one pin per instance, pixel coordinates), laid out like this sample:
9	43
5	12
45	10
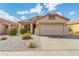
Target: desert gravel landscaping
15	43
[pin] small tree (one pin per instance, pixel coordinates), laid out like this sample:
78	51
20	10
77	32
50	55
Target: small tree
12	31
70	29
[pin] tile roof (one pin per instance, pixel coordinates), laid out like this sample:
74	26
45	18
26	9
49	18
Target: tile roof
73	22
50	14
38	17
7	21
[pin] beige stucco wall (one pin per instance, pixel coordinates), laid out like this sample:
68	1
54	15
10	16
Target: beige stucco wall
66	30
75	27
3	28
47	20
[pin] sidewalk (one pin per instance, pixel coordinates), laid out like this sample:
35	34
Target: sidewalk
40	53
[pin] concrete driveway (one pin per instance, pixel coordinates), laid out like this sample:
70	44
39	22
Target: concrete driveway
67	43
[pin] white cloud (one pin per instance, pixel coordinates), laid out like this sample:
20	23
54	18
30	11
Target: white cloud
22	12
37	9
7	16
59	13
26	11
23	17
72	12
51	6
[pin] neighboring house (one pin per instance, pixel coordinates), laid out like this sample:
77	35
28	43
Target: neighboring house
5	24
74	25
50	24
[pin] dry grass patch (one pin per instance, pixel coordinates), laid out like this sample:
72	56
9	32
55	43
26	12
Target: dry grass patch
26	36
32	45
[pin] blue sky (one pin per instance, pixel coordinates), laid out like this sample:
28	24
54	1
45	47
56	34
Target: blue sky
22	11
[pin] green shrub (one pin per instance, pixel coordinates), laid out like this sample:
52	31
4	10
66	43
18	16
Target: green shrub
70	30
32	45
12	31
4	38
26	36
23	30
27	27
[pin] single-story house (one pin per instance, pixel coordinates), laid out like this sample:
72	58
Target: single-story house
5	24
74	25
50	24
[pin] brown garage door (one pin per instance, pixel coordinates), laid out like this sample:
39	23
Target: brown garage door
51	29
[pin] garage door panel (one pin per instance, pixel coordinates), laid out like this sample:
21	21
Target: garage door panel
51	29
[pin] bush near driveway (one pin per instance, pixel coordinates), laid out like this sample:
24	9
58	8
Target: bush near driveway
26	36
23	30
12	31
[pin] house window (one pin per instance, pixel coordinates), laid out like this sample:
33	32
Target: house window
52	17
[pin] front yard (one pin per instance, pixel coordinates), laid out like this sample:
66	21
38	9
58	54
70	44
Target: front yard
23	40
18	40
44	43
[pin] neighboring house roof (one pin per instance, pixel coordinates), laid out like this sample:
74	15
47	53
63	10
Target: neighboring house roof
7	22
73	22
27	22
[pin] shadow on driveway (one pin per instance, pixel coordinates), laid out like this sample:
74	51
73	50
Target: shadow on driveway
66	36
